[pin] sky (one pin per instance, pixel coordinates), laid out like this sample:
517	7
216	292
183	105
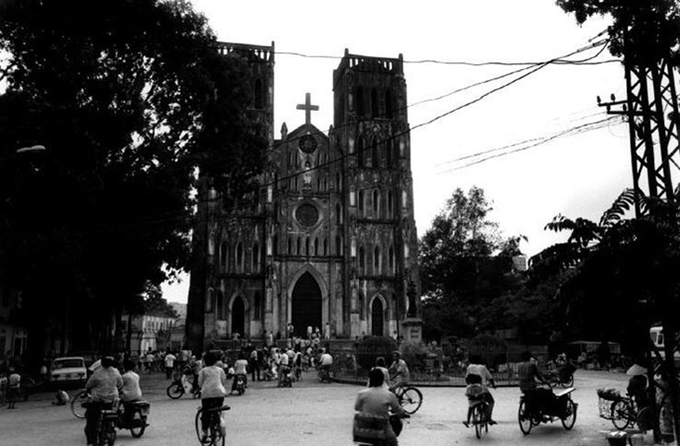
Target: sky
528	144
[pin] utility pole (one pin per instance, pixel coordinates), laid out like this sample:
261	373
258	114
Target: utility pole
651	107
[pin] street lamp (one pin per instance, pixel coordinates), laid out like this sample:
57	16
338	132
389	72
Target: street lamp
34	148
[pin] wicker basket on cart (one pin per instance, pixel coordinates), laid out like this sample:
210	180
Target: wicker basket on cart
606	398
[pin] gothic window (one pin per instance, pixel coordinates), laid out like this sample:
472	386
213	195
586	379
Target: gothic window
360	152
259	94
307	246
290	246
338	214
376	260
325	247
390	260
338	184
297	247
362	259
375	161
390	203
338	245
256	257
388	104
361	203
360	101
376	204
316	247
239	257
388	153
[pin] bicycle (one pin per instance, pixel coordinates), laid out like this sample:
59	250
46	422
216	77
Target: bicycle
480	417
216	430
621	410
77	403
410	398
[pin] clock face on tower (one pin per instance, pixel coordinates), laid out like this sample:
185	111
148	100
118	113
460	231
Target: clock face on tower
307	144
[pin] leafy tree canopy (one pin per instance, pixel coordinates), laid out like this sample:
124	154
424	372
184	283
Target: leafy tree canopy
128	97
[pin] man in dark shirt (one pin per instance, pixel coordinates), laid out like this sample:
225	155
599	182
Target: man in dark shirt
527	371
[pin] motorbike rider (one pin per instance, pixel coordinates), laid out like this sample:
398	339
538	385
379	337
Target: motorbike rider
131	391
103	386
325	362
240	369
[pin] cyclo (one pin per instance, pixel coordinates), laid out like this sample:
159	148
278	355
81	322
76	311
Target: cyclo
543	405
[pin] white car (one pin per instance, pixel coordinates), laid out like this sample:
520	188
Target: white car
68	370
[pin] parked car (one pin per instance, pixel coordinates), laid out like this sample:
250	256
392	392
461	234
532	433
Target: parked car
68	370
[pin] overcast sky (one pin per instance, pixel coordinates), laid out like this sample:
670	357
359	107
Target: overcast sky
477	137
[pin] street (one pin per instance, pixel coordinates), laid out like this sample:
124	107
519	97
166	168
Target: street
311	413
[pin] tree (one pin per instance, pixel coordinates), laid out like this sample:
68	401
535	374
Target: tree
465	265
619	276
128	101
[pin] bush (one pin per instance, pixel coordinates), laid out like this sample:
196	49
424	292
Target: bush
367	350
414	354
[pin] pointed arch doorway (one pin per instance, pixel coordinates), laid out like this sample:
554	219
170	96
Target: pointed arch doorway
238	316
377	322
306	308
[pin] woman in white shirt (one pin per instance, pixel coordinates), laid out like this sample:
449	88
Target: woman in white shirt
212	380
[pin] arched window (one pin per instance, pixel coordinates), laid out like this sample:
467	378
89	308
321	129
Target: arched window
389	110
376	204
338	214
210	301
338	183
259	94
390	204
325	247
338	245
362	259
239	257
307	246
360	152
390	260
360	101
316	247
219	313
388	153
256	257
361	203
375	105
376	260
290	246
375	160
297	247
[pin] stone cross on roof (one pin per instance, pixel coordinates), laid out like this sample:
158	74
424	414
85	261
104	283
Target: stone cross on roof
308	108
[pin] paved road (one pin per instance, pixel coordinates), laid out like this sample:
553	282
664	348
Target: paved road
314	414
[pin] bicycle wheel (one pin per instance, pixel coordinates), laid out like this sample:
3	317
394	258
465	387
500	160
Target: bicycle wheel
77	404
621	414
570	415
478	420
524	418
138	424
410	399
197	423
175	390
216	437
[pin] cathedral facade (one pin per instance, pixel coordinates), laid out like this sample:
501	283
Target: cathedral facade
332	241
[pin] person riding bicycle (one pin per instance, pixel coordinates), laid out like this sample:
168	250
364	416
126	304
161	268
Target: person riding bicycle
382	366
377	404
325	362
213	384
103	386
478	373
399	373
131	392
474	393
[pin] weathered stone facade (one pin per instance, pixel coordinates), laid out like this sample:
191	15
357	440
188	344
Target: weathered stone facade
332	241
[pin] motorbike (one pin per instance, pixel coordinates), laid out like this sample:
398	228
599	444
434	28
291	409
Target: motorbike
286	378
182	385
136	421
